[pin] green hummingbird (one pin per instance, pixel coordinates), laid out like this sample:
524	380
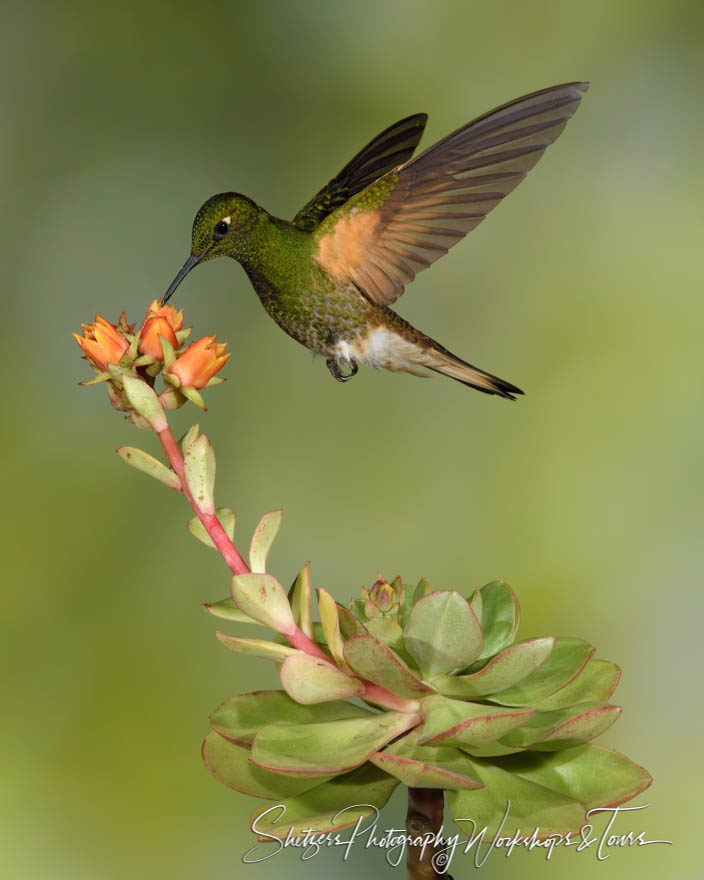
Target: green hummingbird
329	276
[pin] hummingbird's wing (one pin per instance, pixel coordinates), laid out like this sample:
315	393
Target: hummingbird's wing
389	149
381	238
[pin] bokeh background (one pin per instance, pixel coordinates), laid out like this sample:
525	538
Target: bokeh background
118	120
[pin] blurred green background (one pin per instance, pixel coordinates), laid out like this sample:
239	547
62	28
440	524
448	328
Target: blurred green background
584	289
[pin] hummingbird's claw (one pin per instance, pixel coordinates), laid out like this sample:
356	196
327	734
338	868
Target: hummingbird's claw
334	366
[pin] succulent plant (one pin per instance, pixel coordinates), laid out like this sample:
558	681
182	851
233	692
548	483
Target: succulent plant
444	698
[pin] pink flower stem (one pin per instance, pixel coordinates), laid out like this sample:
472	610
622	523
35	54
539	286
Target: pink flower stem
211	523
298	639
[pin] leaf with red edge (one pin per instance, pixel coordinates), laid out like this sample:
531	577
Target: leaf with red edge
229	763
327	807
240	718
329	747
376	662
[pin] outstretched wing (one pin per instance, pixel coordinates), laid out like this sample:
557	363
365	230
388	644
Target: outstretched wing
402	223
389	149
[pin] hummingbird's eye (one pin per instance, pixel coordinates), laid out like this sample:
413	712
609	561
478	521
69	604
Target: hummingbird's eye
221	229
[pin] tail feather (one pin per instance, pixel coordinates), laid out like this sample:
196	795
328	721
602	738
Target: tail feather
442	361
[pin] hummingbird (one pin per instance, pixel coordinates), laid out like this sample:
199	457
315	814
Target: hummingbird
329	276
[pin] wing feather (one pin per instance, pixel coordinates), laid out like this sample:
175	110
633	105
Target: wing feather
387	150
404	221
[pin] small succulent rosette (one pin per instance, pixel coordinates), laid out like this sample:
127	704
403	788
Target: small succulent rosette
416	686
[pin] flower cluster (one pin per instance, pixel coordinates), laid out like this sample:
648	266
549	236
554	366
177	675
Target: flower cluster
158	346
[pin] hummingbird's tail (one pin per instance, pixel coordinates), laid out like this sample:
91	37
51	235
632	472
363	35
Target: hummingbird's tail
437	358
396	345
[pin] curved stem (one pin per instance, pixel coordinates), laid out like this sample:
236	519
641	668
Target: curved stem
211	523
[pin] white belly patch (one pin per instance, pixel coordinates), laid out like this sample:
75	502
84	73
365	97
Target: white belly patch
384	349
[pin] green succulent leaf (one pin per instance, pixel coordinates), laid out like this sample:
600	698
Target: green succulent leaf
499	613
567	658
240	718
531	805
593	775
227	610
328	747
350	626
263	539
188	438
227	520
455	722
376	662
149	465
331	627
229	763
425	766
510	666
388	632
255	647
299	600
595	683
262	597
563	728
368	787
442	633
311	680
143	400
199	464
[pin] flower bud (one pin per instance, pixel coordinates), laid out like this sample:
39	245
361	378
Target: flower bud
168	313
199	363
102	343
149	342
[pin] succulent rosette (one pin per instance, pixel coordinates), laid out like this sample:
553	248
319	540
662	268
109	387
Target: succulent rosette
424	688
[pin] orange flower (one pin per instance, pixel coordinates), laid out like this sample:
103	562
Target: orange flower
169	313
101	342
199	362
149	342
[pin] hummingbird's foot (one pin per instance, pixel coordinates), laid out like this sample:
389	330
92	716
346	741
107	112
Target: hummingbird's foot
334	366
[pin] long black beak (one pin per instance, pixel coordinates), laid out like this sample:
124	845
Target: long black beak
192	261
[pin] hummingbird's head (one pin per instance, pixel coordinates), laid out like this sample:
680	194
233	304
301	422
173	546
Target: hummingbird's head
220	228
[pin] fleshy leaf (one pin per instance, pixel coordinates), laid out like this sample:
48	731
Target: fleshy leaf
376	662
531	806
367	787
593	775
199	463
331	627
149	465
227	610
328	747
311	680
563	728
454	722
442	633
499	614
188	438
350	626
425	766
229	763
299	600
388	632
507	668
240	718
143	400
255	647
227	521
595	683
263	538
567	658
262	597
